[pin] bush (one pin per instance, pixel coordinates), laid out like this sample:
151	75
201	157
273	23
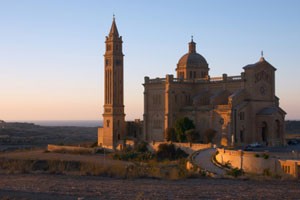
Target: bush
227	164
169	152
166	151
235	172
265	156
142	147
133	156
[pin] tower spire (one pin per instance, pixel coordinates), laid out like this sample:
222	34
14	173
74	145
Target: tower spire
192	46
114	30
262	56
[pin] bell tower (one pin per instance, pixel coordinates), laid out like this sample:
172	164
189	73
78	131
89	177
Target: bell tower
113	116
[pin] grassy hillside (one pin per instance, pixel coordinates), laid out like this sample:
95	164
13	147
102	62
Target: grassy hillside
28	134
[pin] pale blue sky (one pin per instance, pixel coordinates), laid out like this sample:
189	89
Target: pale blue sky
51	52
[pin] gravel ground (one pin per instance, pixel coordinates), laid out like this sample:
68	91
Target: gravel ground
43	186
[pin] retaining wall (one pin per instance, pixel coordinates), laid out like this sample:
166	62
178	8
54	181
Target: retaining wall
258	162
56	148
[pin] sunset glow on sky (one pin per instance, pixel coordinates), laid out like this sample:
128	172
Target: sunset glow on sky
51	52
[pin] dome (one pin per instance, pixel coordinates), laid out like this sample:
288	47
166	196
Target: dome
192	58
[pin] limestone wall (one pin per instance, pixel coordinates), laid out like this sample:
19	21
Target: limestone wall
258	162
58	148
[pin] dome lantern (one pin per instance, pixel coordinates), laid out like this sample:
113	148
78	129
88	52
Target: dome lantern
192	65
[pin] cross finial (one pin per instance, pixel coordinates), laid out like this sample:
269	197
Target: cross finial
192	38
114	17
262	53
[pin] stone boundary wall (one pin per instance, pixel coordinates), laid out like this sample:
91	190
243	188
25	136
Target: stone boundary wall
258	162
59	148
250	162
189	148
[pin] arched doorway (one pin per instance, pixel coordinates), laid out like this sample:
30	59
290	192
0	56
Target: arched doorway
264	133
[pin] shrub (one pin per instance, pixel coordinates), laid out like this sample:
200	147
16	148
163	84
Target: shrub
133	156
142	147
169	152
235	172
227	164
166	151
265	156
256	155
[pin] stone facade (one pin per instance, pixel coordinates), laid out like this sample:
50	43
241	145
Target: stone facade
242	109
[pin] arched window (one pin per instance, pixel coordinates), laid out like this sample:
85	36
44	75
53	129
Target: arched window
107	123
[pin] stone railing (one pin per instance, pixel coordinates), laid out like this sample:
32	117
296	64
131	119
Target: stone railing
171	79
216	79
234	78
223	107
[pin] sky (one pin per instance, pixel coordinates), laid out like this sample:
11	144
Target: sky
51	51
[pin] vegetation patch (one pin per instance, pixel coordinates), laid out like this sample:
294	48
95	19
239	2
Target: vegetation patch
168	162
235	172
265	156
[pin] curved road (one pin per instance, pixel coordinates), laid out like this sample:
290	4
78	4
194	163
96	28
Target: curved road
203	160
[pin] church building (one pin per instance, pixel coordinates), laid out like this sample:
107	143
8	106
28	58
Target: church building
241	109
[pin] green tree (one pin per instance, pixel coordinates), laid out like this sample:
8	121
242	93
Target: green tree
192	135
170	134
181	126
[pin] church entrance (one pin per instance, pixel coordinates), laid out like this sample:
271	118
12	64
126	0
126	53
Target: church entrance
264	133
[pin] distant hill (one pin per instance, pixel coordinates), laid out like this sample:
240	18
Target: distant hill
34	135
292	127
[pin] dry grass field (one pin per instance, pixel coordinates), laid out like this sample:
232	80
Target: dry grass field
41	186
44	185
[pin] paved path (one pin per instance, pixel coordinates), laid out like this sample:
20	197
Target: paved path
203	160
